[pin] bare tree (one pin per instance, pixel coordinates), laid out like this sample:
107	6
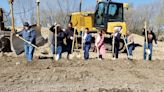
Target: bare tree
25	10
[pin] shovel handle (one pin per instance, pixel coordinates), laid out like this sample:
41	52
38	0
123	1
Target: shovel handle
27	42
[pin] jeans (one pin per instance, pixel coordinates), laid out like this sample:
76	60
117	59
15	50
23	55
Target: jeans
59	51
29	50
52	47
150	47
130	48
86	51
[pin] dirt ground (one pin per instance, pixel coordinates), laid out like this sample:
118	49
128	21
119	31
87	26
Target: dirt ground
122	75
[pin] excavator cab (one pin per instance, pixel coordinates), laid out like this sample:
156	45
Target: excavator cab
110	14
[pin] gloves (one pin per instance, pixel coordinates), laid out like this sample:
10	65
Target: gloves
17	35
30	43
71	38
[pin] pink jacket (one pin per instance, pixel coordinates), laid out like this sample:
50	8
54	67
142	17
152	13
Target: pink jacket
99	41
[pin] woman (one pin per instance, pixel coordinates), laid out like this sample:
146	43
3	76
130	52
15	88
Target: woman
60	43
99	44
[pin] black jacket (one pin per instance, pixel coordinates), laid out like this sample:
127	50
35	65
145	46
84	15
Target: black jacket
52	29
60	38
151	36
69	33
117	39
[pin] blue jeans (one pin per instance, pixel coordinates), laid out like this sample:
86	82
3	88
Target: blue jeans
86	51
59	51
29	51
130	48
52	47
150	47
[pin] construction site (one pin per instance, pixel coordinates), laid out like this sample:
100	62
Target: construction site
47	74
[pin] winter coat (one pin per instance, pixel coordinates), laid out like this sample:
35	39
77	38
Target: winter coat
87	39
150	36
60	38
117	39
99	42
29	35
69	33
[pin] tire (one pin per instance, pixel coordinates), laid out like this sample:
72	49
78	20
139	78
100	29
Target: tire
5	44
122	47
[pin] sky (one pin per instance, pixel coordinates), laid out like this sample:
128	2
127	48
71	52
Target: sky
4	3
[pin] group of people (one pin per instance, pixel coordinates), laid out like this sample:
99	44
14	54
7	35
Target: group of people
29	35
68	34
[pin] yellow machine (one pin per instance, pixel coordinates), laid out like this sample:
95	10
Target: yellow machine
108	15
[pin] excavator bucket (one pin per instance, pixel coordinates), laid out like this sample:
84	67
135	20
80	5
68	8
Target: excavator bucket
17	45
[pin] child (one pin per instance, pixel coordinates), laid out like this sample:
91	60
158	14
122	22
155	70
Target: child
87	43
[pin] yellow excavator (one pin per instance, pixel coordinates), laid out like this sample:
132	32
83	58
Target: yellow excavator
108	15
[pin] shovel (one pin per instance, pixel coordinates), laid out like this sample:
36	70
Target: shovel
27	41
113	42
126	46
72	55
146	36
97	48
56	56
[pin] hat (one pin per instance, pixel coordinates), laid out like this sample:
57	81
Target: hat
26	24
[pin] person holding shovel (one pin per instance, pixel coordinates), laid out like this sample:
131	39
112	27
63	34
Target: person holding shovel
29	35
69	38
100	45
116	42
60	42
130	44
87	43
148	46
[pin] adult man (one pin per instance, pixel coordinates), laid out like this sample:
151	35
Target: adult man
148	46
69	38
116	38
29	35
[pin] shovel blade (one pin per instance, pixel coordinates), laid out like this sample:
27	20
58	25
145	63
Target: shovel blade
17	45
